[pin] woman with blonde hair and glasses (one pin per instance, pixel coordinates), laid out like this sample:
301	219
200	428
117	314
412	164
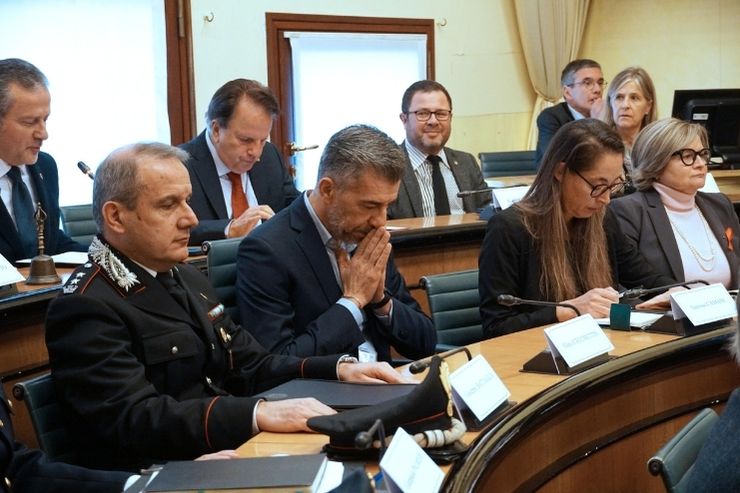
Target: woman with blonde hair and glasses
560	243
682	232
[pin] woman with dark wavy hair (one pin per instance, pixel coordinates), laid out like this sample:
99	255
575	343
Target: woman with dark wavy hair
560	243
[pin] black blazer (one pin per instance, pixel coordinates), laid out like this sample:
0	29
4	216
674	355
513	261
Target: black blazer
509	264
46	183
644	221
549	121
146	380
287	291
468	176
272	185
30	472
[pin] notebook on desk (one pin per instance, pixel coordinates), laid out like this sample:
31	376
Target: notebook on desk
294	474
338	395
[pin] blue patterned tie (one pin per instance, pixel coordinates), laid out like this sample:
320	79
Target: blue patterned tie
23	211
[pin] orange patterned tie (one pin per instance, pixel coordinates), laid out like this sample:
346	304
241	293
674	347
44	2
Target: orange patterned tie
239	202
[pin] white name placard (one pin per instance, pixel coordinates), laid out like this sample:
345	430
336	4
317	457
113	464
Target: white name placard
703	305
407	468
477	387
577	340
8	273
506	197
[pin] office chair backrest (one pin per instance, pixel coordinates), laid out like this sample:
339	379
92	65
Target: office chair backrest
49	417
78	223
512	163
454	302
673	462
221	264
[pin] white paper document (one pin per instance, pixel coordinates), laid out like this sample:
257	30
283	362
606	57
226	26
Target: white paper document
8	273
66	258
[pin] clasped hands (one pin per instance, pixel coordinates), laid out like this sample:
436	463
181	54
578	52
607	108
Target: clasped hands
363	275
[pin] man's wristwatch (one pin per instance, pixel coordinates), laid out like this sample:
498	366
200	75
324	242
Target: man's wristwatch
382	302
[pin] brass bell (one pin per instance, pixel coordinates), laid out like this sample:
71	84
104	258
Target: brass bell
43	270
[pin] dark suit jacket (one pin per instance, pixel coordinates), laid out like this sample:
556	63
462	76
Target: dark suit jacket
549	121
467	174
509	264
29	471
46	183
717	467
643	219
270	180
287	291
151	382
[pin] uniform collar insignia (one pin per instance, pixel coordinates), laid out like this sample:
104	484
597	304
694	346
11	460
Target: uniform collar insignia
113	266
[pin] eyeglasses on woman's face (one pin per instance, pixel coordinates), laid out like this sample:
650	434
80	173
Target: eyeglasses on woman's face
688	155
601	189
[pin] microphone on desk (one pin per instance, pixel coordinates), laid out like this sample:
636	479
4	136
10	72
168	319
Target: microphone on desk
640	292
510	300
86	169
364	439
467	193
422	364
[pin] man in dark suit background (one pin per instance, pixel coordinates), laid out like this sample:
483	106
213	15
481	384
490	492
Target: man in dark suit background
583	84
27	176
238	178
434	173
299	287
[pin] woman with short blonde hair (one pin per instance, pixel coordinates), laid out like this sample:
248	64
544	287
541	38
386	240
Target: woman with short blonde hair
683	233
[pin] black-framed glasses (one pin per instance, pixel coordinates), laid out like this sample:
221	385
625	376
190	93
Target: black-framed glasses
688	156
601	189
425	115
589	83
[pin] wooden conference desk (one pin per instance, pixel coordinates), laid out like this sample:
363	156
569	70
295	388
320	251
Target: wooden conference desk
434	245
593	431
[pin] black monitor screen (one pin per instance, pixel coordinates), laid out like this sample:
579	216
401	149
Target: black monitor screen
718	110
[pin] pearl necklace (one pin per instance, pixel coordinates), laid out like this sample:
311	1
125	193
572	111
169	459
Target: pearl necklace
709	261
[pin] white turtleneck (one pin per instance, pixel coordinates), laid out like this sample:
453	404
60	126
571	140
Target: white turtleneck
701	254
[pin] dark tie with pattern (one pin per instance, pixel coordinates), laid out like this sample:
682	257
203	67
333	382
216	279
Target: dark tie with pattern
23	211
441	202
175	289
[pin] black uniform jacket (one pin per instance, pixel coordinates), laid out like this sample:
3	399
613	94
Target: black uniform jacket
148	380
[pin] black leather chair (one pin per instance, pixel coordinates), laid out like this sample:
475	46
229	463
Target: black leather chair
78	223
512	163
454	302
221	264
673	462
49	417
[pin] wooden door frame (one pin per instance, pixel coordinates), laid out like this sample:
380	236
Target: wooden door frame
180	86
279	67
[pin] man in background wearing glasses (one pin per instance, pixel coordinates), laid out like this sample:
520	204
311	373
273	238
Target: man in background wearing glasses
434	173
583	85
